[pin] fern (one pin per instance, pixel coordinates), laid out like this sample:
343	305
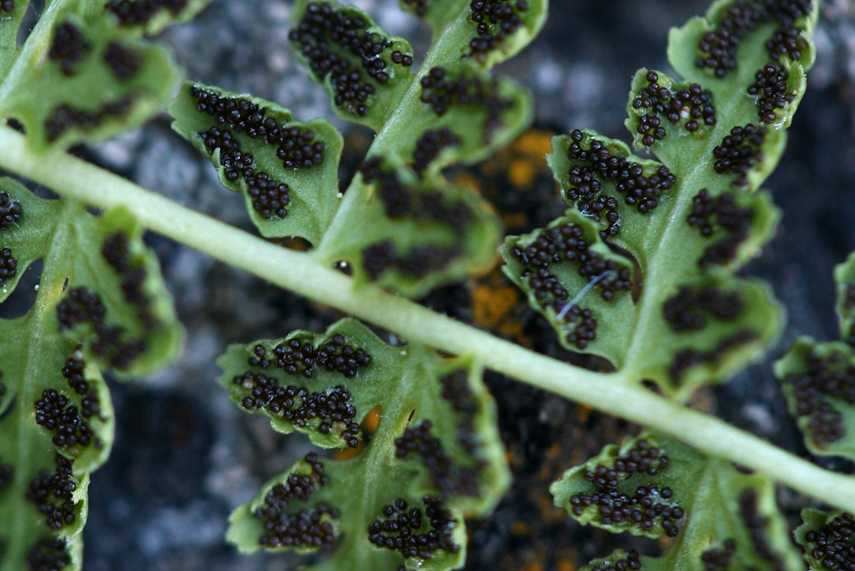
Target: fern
826	538
421	231
101	306
819	378
688	222
435	450
640	271
655	486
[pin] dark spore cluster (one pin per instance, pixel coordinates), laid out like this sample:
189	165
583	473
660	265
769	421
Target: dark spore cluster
8	266
688	358
5	475
11	211
48	554
717	49
74	373
66	116
688	309
417	263
722	212
52	494
630	561
567	243
456	390
693	105
441	90
69	47
749	512
787	41
139	12
299	486
336	354
833	544
279	529
651	130
739	152
116	250
309	528
124	62
269	197
648	507
83	306
400	200
718	559
330	410
414	532
495	20
7	6
332	41
832	376
55	412
430	145
445	475
770	89
638	190
296	147
418	440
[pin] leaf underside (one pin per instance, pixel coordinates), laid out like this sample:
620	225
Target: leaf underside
434	458
93	74
655	486
286	170
101	305
826	539
819	378
690	219
400	224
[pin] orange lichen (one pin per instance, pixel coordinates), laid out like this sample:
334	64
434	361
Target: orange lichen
369	427
522	173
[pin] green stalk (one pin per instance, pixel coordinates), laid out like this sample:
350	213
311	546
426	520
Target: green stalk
298	272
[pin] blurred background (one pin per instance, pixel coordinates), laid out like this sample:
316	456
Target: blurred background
184	456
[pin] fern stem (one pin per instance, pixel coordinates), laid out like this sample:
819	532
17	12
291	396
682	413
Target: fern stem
295	271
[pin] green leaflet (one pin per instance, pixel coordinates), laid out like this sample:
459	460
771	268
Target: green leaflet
577	315
400	244
819	378
135	16
489	33
56	417
93	77
693	219
366	71
436	446
721	518
303	157
410	233
423	231
826	538
479	112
